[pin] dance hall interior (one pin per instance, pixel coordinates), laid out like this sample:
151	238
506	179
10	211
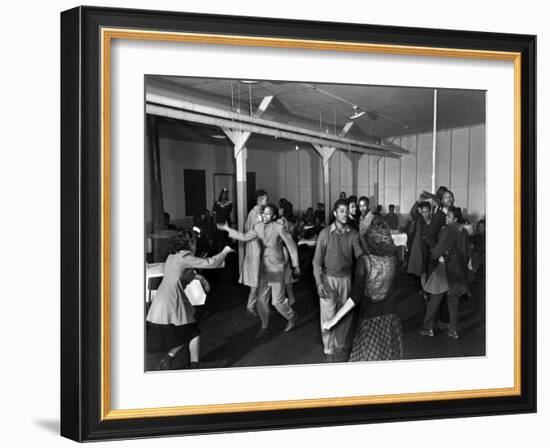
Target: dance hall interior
292	223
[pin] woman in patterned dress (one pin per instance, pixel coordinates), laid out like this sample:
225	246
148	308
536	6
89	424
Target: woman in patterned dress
379	335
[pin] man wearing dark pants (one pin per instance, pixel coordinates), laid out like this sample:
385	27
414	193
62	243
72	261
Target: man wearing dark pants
337	244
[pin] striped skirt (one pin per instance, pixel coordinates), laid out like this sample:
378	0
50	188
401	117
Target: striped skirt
378	338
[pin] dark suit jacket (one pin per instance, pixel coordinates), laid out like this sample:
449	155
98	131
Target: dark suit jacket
432	230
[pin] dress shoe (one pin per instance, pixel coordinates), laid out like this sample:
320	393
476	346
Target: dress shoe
165	363
452	334
426	332
291	323
262	332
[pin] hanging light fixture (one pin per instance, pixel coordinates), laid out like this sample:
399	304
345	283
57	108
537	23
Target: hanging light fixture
357	112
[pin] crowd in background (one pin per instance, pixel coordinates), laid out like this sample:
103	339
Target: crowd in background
353	260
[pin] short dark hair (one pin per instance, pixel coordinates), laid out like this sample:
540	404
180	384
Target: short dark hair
442	189
391	206
363	198
273	209
424	204
338	203
259	194
455	211
352	198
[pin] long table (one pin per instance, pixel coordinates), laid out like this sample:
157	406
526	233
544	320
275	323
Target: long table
399	239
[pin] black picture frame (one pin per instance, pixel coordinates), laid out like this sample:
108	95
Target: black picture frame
81	224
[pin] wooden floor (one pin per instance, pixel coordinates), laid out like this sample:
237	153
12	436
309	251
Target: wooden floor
228	333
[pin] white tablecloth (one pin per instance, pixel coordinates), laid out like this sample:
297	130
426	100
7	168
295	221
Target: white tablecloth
399	239
310	243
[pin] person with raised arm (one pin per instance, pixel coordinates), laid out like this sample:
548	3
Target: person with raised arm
272	236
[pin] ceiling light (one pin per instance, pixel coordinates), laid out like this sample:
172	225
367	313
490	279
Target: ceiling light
218	136
248	81
357	112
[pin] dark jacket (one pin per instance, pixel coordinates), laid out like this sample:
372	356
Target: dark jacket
452	245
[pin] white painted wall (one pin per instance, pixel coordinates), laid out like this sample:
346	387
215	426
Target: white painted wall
460	166
177	156
297	174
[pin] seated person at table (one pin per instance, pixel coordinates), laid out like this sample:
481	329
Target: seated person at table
308	216
392	219
167	224
318	226
320	212
171	323
298	232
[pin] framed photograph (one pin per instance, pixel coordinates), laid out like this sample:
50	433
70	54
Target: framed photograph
277	224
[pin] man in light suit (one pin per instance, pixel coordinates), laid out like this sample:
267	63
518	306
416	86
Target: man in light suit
272	236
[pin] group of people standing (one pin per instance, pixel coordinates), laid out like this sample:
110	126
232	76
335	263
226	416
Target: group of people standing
352	265
439	256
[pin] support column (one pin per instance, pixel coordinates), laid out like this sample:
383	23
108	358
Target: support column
434	141
156	184
240	153
240	163
326	153
354	159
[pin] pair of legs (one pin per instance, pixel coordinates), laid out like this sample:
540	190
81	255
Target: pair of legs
273	293
432	307
338	290
182	342
253	298
194	349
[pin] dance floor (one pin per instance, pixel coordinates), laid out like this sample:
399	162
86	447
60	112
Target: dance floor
228	333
